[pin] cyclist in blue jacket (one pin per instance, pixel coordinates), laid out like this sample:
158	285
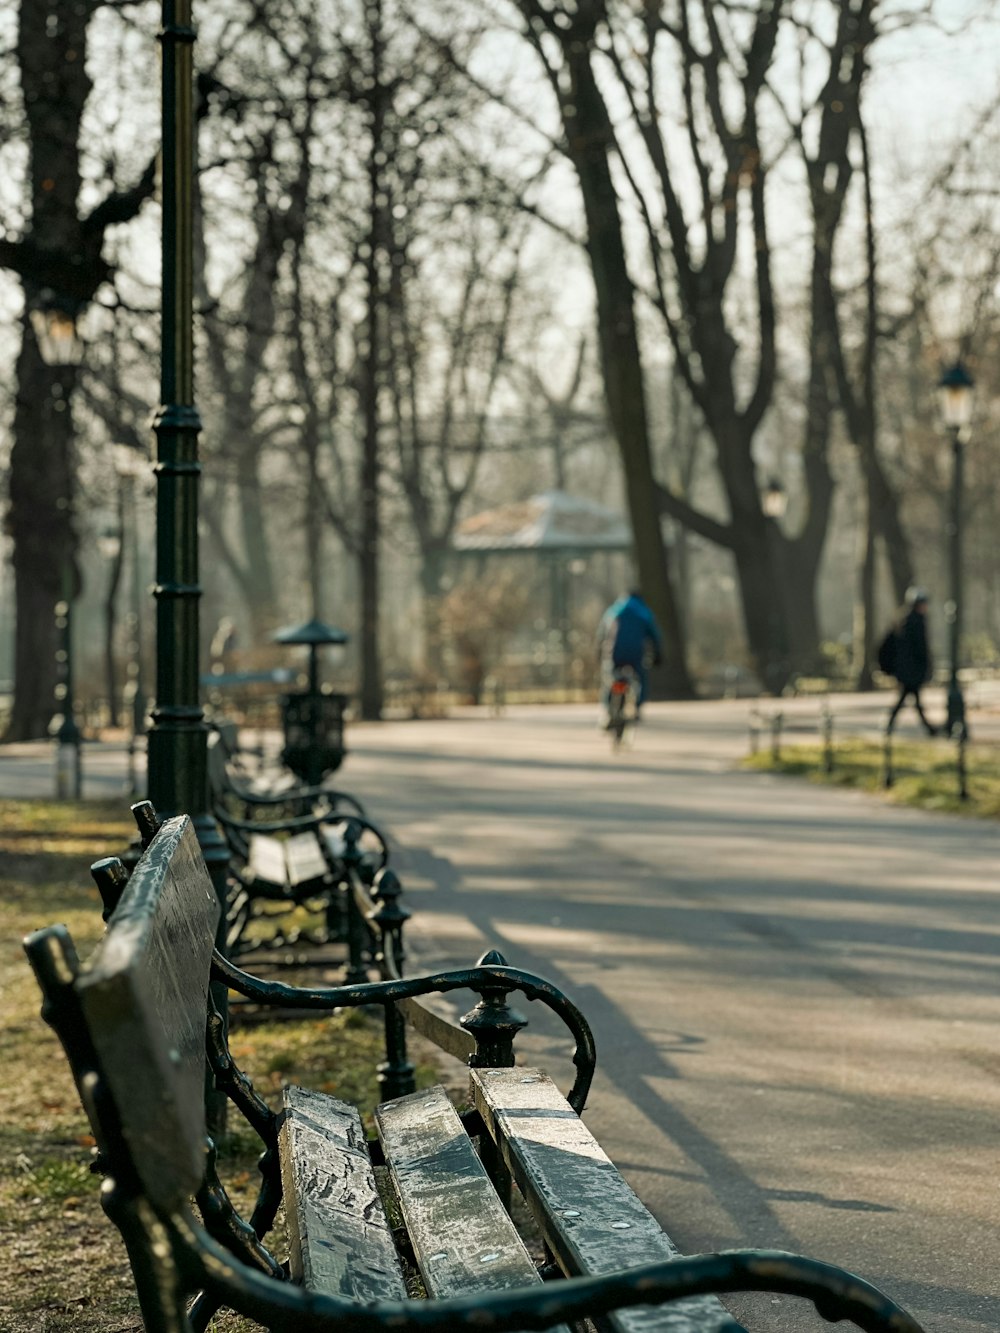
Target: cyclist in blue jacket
628	635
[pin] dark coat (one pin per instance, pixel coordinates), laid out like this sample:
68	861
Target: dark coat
913	655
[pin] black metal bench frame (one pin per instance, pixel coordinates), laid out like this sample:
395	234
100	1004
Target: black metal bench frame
136	1021
296	847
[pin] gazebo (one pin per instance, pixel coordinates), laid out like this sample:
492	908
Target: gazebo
559	534
552	523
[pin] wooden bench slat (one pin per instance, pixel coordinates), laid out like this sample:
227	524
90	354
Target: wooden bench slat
266	861
340	1239
462	1236
591	1218
304	859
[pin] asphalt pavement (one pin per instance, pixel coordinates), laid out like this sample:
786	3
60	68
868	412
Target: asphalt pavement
793	989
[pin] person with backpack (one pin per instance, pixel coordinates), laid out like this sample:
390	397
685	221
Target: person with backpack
905	653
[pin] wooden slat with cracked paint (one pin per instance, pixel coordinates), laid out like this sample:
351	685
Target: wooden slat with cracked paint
462	1236
340	1239
591	1218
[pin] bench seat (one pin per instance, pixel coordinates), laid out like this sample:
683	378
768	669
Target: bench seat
461	1235
292	866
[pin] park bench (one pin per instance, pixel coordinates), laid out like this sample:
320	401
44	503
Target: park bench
136	1020
288	849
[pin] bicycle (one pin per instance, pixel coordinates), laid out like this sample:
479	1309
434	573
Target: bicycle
623	703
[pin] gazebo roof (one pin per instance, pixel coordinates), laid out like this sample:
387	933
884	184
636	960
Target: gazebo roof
552	521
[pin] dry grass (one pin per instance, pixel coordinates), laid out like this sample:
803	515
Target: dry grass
65	1269
924	772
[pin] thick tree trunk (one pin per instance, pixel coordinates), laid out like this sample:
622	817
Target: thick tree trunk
762	595
61	267
40	521
368	559
887	522
802	618
111	624
258	579
589	138
431	575
314	528
864	631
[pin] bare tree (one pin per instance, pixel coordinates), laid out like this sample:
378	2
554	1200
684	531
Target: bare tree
696	172
59	259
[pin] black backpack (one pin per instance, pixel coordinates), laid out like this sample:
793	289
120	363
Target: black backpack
887	651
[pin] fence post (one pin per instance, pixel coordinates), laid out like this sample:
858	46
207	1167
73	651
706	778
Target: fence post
776	723
827	724
754	729
963	788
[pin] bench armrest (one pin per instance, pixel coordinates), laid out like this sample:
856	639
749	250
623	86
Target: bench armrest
492	982
297	824
301	796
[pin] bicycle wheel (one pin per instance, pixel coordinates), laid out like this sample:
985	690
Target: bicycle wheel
616	717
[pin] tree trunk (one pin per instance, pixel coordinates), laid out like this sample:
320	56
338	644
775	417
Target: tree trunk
314	527
111	620
762	595
801	613
863	647
432	568
40	522
887	522
589	139
368	559
258	580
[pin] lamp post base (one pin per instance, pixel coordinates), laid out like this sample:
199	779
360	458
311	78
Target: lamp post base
69	769
955	725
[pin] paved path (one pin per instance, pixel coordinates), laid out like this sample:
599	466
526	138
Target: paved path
794	990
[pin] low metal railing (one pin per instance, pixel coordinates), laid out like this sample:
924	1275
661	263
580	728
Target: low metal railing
776	725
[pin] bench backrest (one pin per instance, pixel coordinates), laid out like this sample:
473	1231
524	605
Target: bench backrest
144	994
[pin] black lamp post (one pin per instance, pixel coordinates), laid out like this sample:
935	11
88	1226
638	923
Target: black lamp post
69	767
178	738
131	465
955	392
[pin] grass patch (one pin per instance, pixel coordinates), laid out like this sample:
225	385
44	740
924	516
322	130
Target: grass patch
66	1269
924	772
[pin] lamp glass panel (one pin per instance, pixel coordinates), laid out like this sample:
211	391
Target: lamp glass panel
775	501
956	404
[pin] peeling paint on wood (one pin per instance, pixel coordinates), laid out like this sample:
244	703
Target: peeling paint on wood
592	1220
462	1237
340	1239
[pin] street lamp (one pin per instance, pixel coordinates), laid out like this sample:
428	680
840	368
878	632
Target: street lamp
69	768
53	321
774	500
313	718
955	394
